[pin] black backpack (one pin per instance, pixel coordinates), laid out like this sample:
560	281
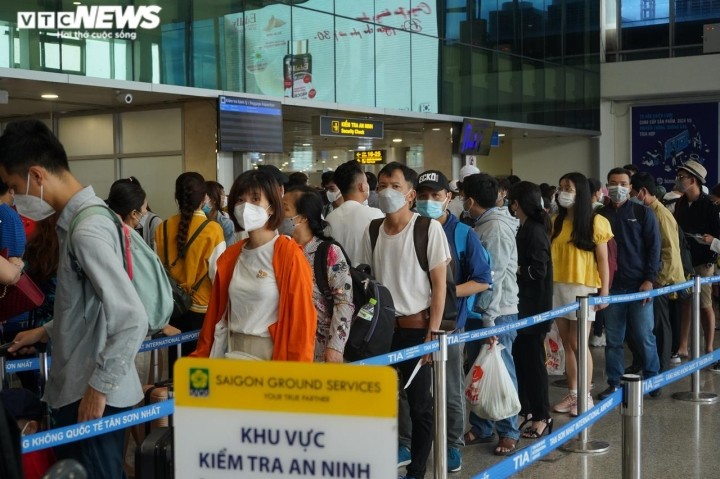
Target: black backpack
366	338
420	240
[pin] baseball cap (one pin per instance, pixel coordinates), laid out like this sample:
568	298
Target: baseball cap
695	169
433	179
468	170
454	186
279	176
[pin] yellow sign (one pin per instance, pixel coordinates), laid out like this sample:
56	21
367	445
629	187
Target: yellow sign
348	127
370	157
276	386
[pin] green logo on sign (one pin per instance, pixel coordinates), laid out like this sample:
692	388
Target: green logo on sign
199	382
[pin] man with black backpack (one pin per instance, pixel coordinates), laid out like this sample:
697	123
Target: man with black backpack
419	295
637	234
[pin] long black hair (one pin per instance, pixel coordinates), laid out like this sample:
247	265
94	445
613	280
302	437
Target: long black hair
582	231
529	199
310	205
190	191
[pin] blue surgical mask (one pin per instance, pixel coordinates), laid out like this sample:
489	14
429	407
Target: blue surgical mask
207	208
618	194
637	200
431	209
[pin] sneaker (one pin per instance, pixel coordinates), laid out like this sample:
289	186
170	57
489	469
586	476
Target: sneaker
715	368
404	456
567	403
590	405
598	341
656	393
454	459
607	392
678	358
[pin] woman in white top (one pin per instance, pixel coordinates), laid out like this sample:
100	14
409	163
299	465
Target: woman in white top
303	221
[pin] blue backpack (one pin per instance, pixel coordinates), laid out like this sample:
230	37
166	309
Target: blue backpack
477	303
142	264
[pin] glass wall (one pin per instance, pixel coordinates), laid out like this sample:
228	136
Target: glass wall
658	28
527	61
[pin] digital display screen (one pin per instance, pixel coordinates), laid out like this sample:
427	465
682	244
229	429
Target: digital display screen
246	124
476	137
370	157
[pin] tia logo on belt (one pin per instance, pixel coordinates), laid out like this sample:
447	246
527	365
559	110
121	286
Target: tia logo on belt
199	382
93	18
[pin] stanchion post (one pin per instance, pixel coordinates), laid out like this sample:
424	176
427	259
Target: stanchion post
695	395
440	396
632	411
581	443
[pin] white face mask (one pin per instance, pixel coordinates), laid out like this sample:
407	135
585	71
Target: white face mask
391	200
566	199
32	207
618	194
251	217
332	196
223	202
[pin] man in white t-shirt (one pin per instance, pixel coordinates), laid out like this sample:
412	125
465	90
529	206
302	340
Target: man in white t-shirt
348	222
419	299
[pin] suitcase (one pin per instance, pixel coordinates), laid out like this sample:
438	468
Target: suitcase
154	457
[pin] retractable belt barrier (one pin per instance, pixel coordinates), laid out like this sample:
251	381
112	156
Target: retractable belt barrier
513	464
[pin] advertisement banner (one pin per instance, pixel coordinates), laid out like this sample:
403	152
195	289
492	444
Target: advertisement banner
362	56
667	136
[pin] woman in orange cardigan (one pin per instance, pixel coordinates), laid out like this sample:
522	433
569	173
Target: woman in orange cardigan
263	285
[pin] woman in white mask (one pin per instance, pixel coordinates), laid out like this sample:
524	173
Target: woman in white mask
214	206
304	223
580	267
263	285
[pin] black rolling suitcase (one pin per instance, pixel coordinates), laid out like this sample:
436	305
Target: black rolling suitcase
154	457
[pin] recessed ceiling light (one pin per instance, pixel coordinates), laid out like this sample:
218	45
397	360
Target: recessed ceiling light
350	151
335	157
292	161
49	96
323	161
362	148
77	3
436	129
306	144
397	140
501	134
259	159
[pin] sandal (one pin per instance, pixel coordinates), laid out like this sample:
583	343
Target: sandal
506	446
471	438
526	418
532	432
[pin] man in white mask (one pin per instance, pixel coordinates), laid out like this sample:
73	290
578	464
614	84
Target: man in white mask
99	320
419	296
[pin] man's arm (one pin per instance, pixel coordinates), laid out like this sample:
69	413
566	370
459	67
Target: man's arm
493	241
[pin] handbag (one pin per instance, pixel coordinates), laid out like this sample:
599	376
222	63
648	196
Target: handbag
19	298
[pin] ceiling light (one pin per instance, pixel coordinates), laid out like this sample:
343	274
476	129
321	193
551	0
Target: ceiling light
292	161
350	151
335	157
397	140
259	159
306	144
436	129
323	161
501	134
49	96
362	148
77	3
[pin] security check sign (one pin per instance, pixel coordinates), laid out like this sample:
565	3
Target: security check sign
279	419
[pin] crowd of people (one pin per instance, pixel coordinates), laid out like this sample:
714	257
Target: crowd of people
502	249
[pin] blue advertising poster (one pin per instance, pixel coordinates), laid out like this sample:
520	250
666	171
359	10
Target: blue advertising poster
666	136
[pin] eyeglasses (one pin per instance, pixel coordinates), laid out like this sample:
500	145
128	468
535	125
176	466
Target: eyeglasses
681	177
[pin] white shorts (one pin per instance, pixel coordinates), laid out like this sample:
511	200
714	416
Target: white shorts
566	293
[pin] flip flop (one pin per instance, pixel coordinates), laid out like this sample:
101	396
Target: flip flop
470	438
509	444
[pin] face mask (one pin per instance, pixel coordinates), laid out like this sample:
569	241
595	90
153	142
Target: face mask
288	226
332	196
251	217
679	186
566	199
637	200
391	200
618	194
505	203
600	197
466	211
431	209
224	202
207	208
31	206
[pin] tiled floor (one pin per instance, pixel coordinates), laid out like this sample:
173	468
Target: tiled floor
679	439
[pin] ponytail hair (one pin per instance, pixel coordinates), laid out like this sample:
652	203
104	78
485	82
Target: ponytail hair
529	197
190	192
309	204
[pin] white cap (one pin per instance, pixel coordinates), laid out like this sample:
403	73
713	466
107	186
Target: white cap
468	170
454	186
705	190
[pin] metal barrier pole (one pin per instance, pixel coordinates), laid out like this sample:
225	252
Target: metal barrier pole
440	396
632	411
694	395
581	444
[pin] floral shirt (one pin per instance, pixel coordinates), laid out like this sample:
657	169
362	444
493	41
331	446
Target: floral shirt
333	325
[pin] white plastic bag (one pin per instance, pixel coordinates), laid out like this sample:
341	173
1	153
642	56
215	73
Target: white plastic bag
489	388
555	353
220	341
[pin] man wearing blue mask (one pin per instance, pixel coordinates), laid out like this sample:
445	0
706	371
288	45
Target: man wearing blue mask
473	275
419	295
99	320
637	235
